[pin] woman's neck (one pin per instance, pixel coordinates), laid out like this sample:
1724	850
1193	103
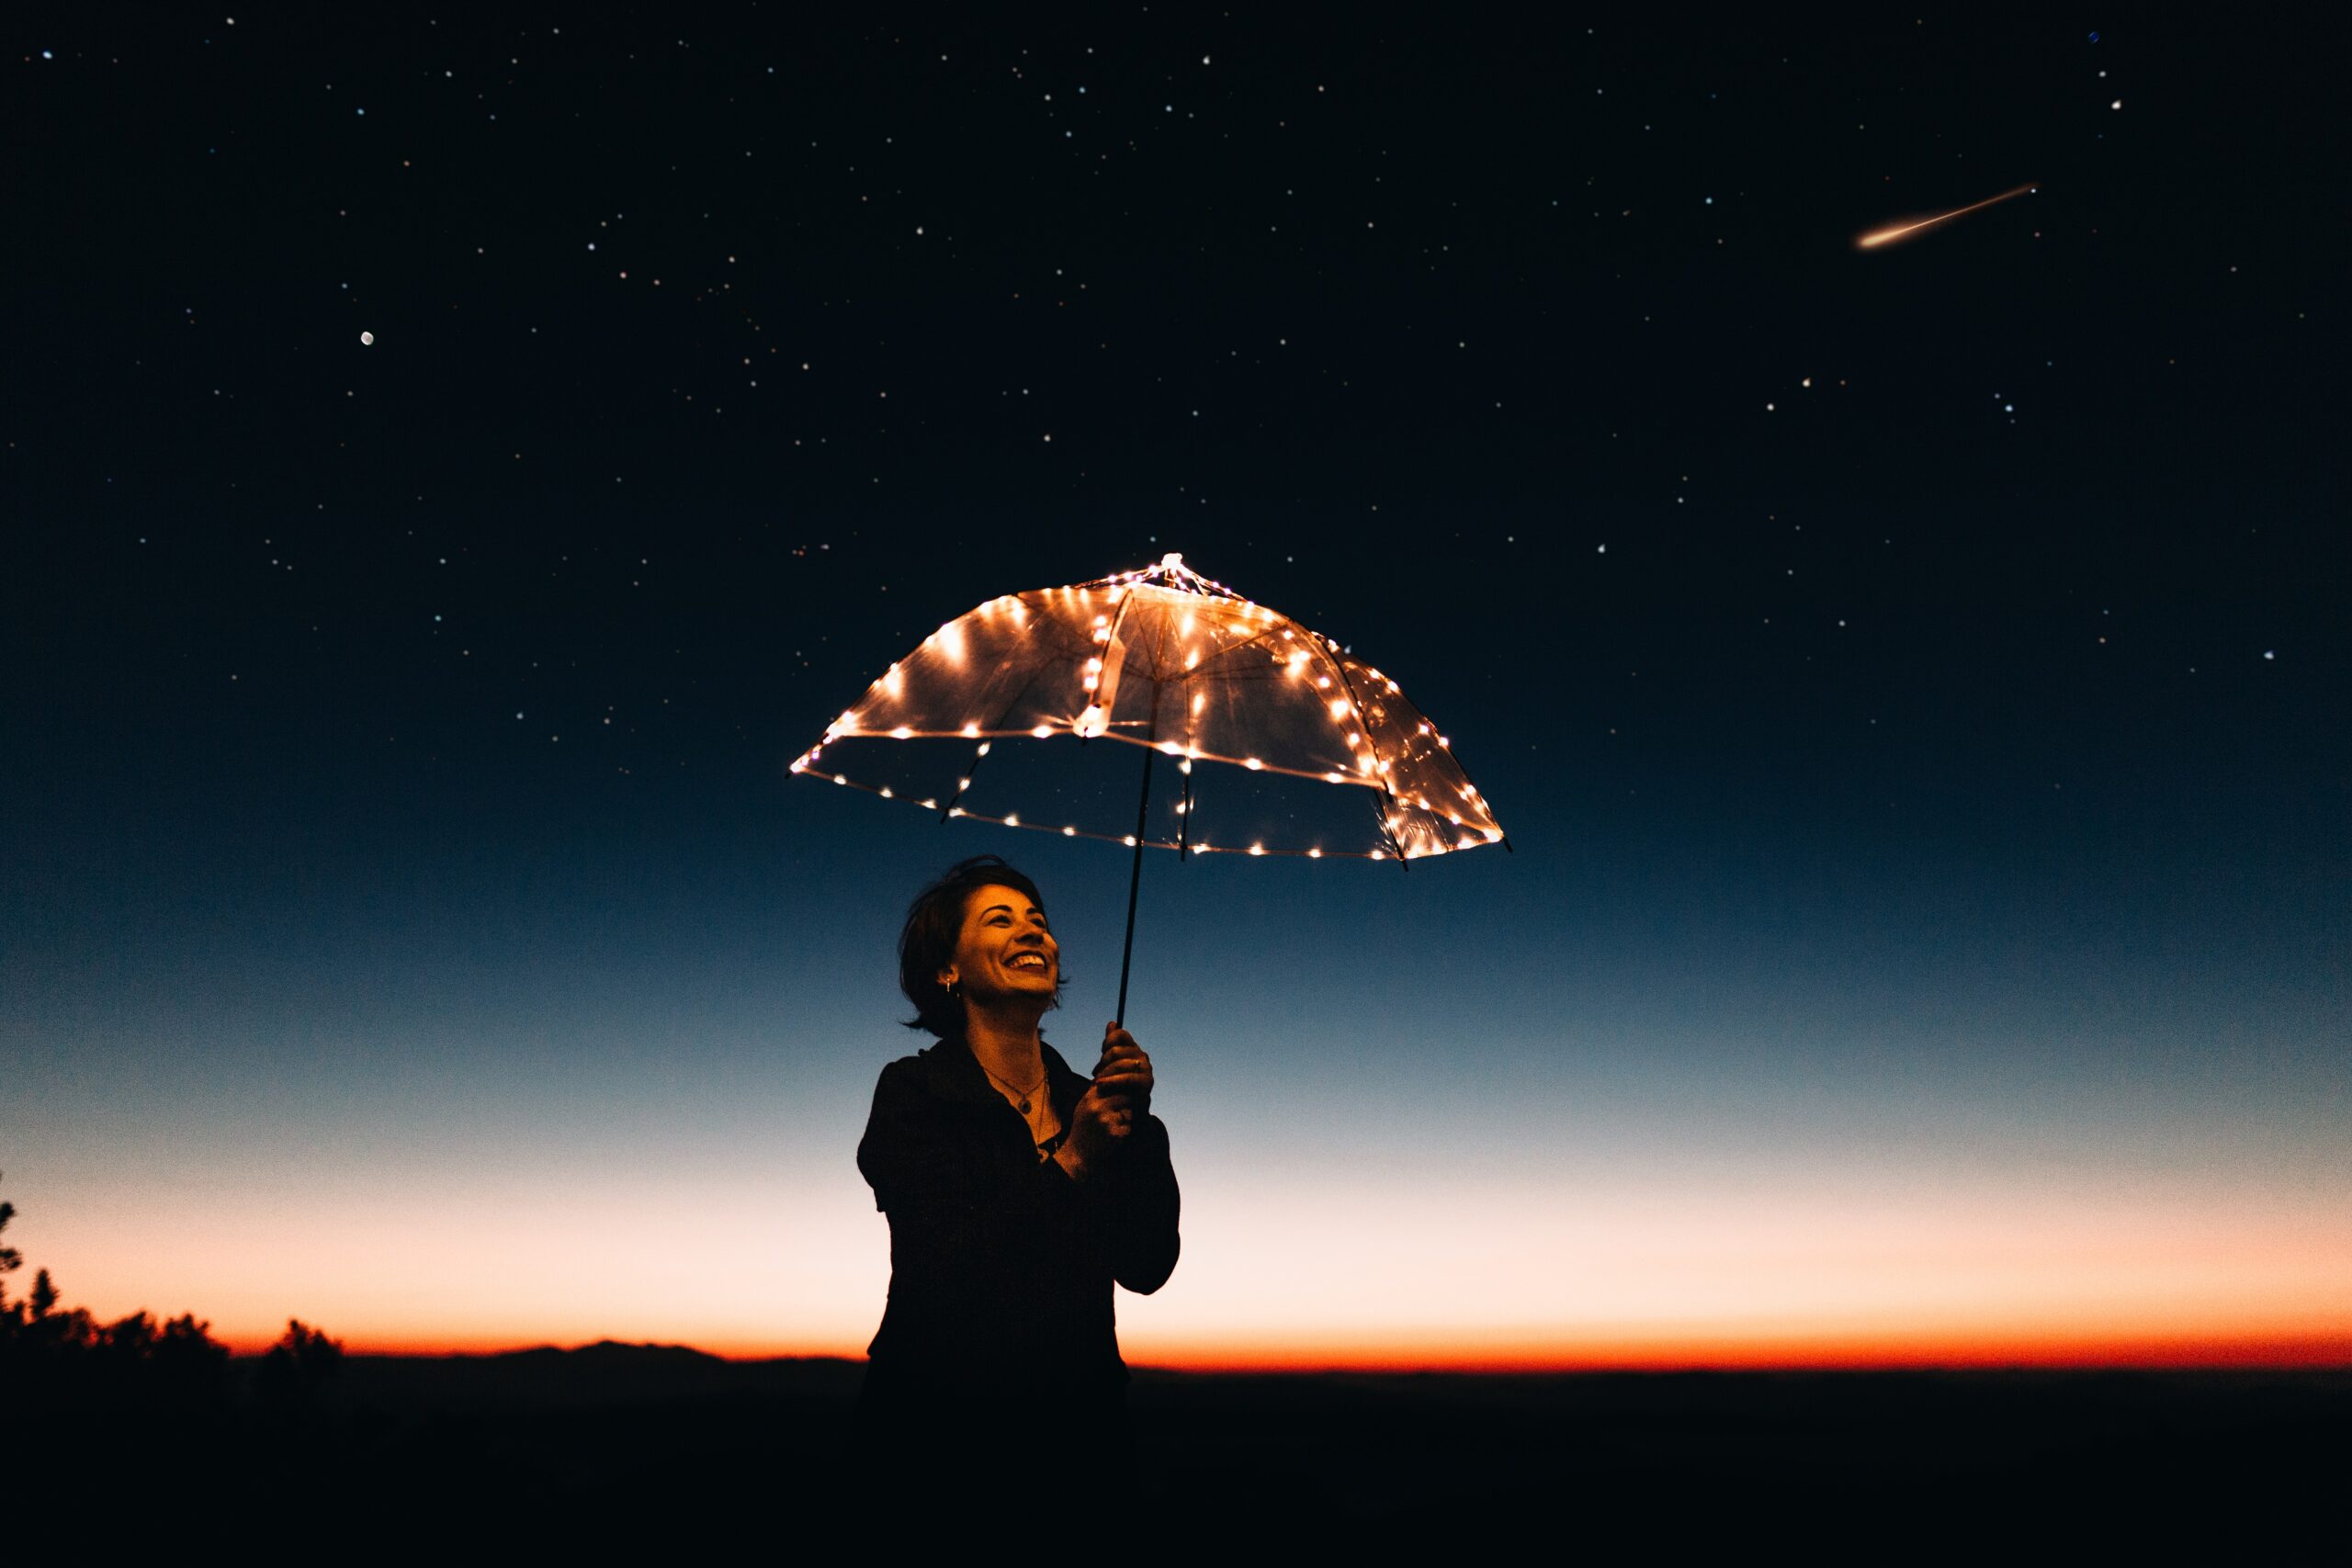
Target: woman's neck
1006	1044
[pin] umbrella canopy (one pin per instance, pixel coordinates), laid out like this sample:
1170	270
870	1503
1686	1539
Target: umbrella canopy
1166	659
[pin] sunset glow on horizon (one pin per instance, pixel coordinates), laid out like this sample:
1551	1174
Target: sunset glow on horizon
1353	1267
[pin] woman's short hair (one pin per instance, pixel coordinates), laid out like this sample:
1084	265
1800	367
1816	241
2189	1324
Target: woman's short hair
935	921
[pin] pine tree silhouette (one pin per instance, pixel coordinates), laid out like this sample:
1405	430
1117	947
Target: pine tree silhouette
64	1356
298	1368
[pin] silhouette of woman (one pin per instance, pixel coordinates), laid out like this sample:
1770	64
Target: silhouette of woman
1018	1191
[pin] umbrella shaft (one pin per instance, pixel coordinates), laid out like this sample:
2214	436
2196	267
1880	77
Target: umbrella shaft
1135	882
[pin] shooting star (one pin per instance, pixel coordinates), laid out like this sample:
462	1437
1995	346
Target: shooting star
1881	236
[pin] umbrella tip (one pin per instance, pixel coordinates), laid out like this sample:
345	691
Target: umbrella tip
1172	558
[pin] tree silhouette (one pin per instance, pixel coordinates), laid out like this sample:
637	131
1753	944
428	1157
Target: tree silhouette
10	1261
298	1368
63	1355
44	1301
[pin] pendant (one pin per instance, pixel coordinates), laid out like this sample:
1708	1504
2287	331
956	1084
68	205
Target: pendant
1024	1108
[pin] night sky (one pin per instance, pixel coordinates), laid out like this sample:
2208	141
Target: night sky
452	468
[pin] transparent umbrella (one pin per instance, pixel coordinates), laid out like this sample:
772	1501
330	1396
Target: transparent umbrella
990	718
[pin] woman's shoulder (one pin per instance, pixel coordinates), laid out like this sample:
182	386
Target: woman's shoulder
928	1069
909	1068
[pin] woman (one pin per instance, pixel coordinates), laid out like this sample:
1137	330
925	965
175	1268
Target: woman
1017	1189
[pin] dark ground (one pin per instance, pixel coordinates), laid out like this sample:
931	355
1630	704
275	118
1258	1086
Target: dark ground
618	1443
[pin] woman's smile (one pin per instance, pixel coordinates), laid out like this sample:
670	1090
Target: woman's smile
1029	961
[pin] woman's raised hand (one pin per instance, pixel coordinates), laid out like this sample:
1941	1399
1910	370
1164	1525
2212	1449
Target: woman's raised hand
1119	1098
1125	1071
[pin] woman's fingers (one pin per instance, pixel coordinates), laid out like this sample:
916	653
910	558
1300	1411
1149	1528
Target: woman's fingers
1123	1061
1109	1110
1131	1075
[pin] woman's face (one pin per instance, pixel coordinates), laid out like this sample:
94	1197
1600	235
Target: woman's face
1005	949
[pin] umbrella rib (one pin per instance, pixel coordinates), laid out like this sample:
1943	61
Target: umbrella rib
1355	699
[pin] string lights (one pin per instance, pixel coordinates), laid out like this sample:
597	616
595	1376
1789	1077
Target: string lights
1097	660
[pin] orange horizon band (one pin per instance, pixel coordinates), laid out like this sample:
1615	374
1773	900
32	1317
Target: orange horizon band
2313	1351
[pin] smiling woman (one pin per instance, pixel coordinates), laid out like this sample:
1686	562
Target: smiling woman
1018	1191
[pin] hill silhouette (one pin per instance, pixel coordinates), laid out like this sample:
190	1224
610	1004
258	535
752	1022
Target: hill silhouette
546	1378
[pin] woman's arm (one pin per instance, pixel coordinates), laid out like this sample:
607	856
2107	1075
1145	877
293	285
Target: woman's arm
1120	1148
1144	1209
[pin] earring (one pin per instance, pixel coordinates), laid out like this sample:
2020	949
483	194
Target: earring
955	988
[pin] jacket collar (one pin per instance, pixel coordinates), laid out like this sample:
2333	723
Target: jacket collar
952	1072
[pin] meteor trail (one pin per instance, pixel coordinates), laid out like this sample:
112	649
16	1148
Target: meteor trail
1881	236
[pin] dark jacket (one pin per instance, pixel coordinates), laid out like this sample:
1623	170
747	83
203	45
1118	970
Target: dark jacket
1000	1265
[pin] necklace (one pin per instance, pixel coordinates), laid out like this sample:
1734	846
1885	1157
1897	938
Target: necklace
1020	1094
